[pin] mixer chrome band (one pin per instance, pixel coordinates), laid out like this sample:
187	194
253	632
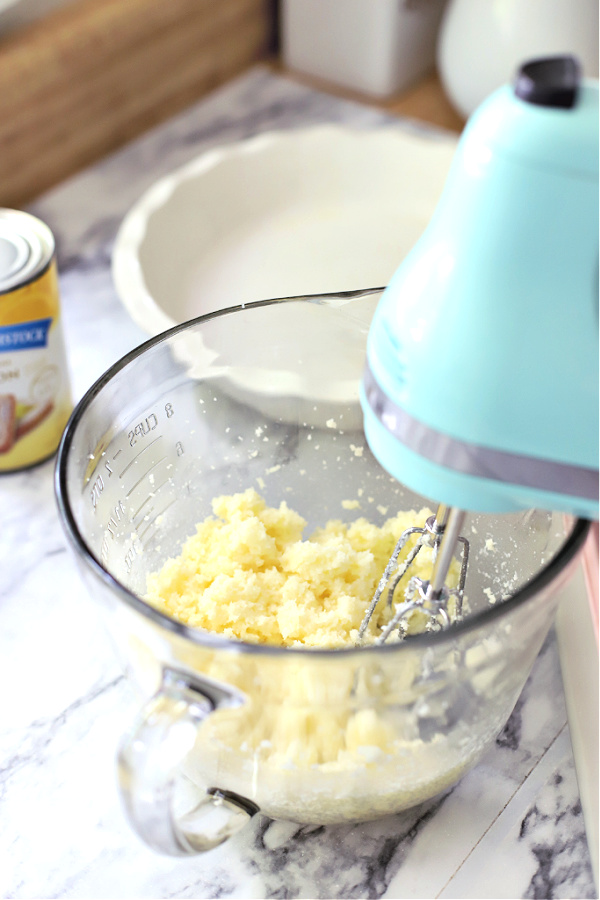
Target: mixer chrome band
471	459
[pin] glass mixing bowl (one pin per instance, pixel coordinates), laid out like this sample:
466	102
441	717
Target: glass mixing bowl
267	396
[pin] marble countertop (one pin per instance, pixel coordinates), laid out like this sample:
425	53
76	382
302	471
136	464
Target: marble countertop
512	828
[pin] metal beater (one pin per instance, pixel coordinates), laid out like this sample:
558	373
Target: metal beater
442	533
481	383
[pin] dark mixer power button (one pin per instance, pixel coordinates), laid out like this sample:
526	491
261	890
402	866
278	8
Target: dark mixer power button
551	81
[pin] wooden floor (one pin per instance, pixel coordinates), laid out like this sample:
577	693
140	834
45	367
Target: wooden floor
425	101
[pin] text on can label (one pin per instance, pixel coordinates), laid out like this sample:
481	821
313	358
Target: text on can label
24	336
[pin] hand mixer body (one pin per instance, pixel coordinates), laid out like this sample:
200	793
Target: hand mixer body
481	388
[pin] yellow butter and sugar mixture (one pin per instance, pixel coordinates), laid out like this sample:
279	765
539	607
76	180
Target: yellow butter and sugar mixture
249	574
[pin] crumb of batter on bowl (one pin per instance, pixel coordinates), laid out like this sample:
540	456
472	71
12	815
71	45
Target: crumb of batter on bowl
249	574
490	595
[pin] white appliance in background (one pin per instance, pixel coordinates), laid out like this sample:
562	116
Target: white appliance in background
377	47
482	42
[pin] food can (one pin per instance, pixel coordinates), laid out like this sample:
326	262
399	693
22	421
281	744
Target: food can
35	396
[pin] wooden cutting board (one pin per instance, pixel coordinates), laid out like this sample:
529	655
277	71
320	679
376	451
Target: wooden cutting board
92	75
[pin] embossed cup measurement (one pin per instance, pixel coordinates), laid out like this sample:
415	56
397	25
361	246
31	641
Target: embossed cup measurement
130	515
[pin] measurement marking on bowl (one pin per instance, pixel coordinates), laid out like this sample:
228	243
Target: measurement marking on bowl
137	455
153	523
147	500
116	518
149	512
145	475
158	487
139	509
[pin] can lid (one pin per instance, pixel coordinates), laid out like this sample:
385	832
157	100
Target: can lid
26	247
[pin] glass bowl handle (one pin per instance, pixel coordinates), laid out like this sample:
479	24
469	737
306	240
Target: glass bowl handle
148	765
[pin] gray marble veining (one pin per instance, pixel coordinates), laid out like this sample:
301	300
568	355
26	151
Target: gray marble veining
511	828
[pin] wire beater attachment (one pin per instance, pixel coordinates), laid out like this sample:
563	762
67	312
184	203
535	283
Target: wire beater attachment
441	532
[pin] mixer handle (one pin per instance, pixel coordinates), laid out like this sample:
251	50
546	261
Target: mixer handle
149	763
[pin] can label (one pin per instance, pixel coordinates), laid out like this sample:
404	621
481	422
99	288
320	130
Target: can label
35	398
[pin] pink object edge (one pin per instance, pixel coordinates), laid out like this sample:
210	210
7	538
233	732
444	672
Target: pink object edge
591	561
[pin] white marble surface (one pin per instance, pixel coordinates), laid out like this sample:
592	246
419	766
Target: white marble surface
512	828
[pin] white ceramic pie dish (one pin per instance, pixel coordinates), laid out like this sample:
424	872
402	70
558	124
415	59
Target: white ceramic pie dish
322	209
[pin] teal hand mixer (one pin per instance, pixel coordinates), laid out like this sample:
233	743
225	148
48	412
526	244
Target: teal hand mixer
481	383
